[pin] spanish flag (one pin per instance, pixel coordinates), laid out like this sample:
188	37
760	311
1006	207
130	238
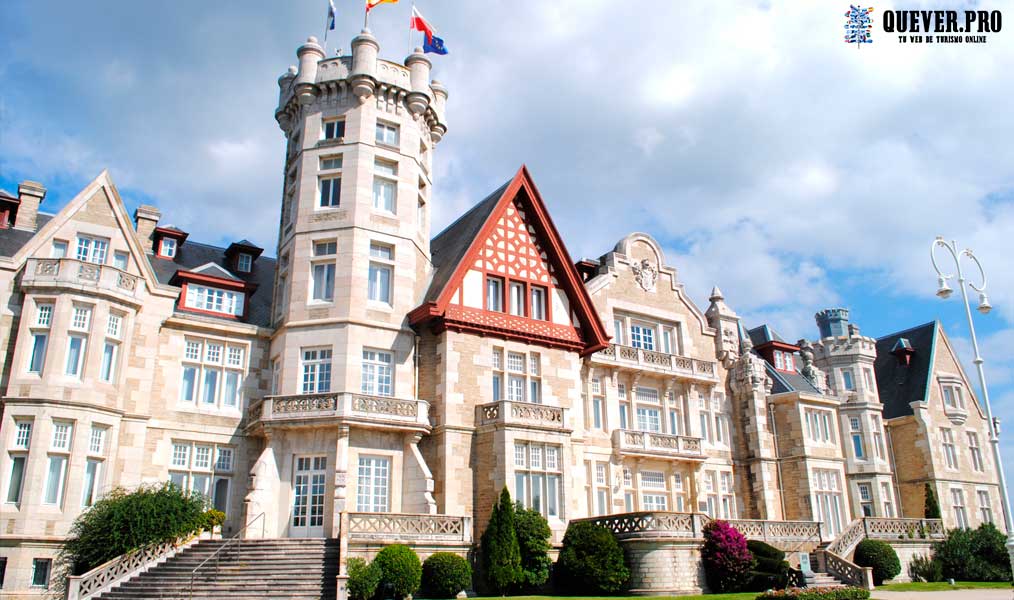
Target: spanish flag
372	3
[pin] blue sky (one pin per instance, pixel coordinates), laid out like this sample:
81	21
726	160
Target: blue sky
795	171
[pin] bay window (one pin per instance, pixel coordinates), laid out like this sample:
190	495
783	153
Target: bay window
537	473
213	371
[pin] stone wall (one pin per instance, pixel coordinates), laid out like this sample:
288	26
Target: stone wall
660	567
908	550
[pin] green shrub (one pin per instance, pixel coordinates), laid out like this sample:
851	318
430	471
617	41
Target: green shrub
924	568
974	554
727	561
770	571
533	534
931	507
881	557
500	552
400	570
122	521
212	519
363	579
817	593
444	574
591	561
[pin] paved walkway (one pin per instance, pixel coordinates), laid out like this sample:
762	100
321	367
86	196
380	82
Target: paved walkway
947	595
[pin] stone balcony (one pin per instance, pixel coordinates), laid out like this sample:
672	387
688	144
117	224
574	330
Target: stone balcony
340	408
667	364
522	414
74	275
629	442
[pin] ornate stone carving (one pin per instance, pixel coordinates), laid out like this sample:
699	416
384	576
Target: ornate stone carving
645	274
812	374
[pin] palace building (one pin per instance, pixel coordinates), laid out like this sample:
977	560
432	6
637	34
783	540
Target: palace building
373	382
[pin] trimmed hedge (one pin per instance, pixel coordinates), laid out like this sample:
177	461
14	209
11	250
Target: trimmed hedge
400	570
444	574
771	571
817	593
363	579
881	557
591	561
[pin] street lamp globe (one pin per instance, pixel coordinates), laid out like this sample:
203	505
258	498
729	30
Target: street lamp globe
944	291
984	305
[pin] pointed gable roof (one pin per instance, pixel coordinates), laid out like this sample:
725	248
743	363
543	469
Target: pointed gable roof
456	249
900	383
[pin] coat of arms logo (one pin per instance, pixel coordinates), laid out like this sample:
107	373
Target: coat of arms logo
646	274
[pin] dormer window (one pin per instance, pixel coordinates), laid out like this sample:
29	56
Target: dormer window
244	262
167	248
215	300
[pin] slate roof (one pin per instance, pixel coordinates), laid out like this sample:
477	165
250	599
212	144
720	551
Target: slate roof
449	246
789	382
191	255
901	384
762	335
12	240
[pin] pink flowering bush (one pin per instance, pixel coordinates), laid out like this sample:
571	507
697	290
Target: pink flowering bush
727	561
817	593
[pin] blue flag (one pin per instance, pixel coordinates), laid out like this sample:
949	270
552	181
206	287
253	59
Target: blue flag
434	44
330	15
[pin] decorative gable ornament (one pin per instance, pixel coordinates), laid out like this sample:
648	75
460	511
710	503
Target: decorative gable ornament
645	274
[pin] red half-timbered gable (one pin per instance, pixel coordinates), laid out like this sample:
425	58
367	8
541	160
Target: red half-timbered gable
515	279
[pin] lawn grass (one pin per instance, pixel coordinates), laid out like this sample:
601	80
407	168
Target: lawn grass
739	596
943	586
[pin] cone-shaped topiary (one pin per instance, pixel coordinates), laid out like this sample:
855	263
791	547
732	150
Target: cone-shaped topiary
931	509
727	561
500	552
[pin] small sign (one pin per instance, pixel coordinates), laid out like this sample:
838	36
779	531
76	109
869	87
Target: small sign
804	563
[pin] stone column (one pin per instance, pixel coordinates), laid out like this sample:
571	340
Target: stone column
341	476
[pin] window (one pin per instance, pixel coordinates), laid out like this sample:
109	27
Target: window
214	300
818	425
17	478
975	451
653	496
120	260
224	460
206	365
517	298
498	376
108	368
647	409
494	294
618	331
868	378
866	499
387	134
381	270
62	435
40	572
642	336
40	337
3	570
522	384
59	249
952	397
23	435
878	437
846	375
244	262
82	317
91	249
538	295
55	475
958	505
537	477
828	501
779	360
167	247
985	507
97	439
323	267
420	214
330	191
191	468
385	185
113	325
330	163
599	488
90	485
856	426
598	402
373	484
333	129
316	370
888	499
378	377
276	375
789	361
950	452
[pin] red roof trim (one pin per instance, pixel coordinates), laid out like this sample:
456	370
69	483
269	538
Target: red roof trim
777	346
593	332
221	282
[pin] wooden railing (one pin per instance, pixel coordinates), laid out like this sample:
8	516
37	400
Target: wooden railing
409	527
396	411
521	413
103	577
629	441
683	365
76	273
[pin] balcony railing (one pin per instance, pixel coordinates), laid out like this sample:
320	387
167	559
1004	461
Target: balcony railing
392	527
342	406
691	525
629	441
522	413
79	274
673	363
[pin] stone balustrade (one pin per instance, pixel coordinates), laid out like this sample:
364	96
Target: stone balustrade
691	368
635	525
379	410
631	442
846	571
395	527
778	532
75	274
900	529
524	414
103	577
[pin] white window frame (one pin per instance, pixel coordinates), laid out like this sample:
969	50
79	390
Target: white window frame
387	134
316	362
92	249
382	260
377	372
215	300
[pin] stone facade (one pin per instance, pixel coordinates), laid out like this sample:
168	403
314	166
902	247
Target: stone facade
378	385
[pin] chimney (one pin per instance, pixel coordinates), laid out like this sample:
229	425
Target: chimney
30	195
146	219
833	322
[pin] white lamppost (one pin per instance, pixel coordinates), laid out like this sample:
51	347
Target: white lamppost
944	292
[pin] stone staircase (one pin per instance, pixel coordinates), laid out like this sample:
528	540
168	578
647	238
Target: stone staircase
820	579
262	569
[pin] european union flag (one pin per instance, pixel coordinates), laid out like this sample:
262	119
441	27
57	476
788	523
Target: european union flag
434	44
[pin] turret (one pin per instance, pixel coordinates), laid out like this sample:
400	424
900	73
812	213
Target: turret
419	76
309	55
364	65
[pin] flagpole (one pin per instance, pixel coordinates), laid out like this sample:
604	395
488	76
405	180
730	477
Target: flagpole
411	16
327	25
